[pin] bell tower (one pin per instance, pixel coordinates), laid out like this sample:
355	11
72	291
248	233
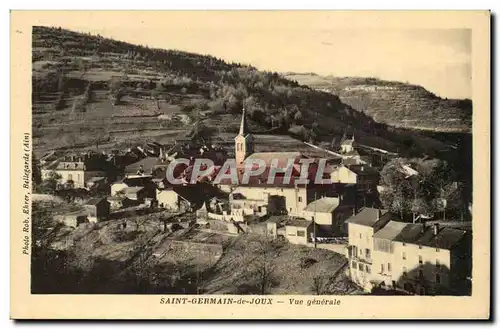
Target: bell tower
243	142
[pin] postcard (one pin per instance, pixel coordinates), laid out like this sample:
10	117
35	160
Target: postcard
250	165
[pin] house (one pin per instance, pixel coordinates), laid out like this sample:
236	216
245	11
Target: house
299	231
414	258
241	206
167	198
135	181
144	166
361	228
329	214
347	145
97	209
135	193
76	170
365	177
98	183
72	219
432	260
383	251
118	202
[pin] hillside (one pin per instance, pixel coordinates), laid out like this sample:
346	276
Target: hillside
395	103
91	91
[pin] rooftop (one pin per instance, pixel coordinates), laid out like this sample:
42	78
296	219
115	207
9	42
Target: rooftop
95	201
323	205
147	165
95	179
363	169
446	237
280	158
368	217
390	230
132	189
298	223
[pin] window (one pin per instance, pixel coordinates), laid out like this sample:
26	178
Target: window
381	268
360	267
300	199
437	249
422	291
312	218
404	255
437	263
301	233
353	264
368	270
438	278
404	271
259	209
404	244
394	284
388	267
367	253
420	260
360	252
360	236
70	176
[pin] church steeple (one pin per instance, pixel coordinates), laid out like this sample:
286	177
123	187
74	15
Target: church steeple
243	142
243	125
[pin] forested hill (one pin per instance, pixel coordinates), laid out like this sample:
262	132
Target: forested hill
87	87
395	103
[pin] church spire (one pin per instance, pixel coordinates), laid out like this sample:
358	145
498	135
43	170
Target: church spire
243	125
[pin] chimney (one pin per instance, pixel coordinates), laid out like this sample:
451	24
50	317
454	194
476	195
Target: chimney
436	229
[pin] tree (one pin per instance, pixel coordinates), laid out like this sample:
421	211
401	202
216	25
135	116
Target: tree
88	95
319	284
298	117
116	90
263	266
49	184
333	143
422	192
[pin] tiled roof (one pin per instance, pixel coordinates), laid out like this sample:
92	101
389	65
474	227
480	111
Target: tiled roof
363	170
281	158
446	237
147	165
132	189
94	201
390	230
323	205
298	223
367	216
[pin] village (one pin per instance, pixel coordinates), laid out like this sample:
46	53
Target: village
381	252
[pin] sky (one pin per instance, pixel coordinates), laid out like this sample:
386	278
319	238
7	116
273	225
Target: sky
439	59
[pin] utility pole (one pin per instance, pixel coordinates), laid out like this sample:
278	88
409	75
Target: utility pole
314	220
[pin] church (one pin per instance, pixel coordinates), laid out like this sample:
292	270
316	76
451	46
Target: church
261	197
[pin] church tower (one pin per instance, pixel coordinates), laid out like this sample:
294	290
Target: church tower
243	142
